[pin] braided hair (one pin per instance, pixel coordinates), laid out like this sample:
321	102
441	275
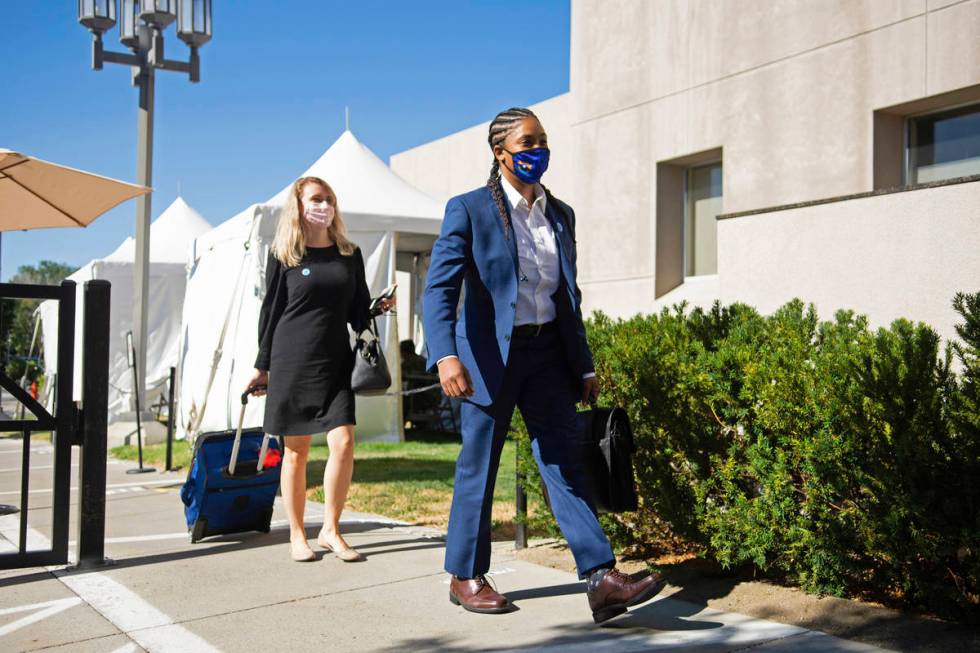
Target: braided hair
500	127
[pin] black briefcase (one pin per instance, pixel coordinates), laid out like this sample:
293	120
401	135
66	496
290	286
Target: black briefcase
604	453
606	457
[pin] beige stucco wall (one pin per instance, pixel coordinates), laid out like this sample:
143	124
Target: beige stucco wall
887	256
787	90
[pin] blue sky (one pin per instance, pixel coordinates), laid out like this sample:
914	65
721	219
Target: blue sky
271	98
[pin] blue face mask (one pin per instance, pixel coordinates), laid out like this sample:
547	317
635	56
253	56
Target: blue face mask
530	165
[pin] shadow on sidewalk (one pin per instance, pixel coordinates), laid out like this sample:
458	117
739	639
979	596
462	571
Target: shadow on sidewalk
396	546
888	628
656	615
620	633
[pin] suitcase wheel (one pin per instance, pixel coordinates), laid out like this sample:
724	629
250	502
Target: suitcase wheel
199	530
265	523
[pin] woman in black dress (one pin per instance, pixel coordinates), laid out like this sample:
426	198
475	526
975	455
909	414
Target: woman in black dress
315	288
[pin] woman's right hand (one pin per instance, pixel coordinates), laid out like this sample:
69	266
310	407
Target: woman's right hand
454	378
261	377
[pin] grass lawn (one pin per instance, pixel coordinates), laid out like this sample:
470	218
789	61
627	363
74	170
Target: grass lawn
408	481
155	455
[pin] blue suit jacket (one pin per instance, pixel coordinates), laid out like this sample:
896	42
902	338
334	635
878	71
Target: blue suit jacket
472	252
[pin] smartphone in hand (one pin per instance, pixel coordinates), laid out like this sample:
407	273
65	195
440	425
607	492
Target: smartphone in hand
388	292
385	295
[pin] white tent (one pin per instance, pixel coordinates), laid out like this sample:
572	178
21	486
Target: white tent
392	222
171	235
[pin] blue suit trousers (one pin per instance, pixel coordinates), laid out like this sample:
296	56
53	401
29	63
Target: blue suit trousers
538	382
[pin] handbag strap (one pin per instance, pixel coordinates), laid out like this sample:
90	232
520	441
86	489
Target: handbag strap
372	328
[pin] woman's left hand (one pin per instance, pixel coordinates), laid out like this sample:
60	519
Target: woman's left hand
387	304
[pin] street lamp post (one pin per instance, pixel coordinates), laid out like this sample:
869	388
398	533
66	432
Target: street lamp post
141	27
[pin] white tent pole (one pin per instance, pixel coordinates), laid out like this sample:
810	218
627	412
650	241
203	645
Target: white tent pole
30	352
420	266
396	380
412	288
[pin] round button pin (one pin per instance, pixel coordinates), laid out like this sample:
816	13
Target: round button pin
306	272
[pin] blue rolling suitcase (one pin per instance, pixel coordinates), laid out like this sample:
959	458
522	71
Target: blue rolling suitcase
229	487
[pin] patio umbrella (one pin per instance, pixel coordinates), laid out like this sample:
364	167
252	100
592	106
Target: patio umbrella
35	194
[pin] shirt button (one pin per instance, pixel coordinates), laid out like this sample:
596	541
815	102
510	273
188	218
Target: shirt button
507	338
513	304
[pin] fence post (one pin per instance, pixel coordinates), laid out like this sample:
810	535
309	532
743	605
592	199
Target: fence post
66	433
95	409
170	421
520	498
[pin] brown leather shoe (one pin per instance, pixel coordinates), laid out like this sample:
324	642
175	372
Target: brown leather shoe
615	591
476	595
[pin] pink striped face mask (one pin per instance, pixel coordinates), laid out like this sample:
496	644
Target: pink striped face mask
319	213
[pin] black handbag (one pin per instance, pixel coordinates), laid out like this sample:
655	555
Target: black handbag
370	375
606	453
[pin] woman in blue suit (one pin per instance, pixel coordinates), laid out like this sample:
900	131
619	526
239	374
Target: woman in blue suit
518	342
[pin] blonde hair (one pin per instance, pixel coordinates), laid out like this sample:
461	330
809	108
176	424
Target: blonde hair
289	244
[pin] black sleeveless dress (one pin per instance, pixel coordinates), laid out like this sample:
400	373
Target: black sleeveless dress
304	343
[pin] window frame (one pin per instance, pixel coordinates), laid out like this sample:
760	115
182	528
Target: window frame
686	216
909	144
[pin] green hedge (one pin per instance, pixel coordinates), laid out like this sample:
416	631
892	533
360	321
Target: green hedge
843	459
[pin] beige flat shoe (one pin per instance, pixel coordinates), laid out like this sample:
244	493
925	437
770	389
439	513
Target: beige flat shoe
347	555
301	553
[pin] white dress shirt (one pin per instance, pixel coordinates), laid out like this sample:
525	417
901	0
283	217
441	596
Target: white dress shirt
537	256
539	268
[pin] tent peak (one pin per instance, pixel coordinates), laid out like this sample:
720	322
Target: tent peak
364	184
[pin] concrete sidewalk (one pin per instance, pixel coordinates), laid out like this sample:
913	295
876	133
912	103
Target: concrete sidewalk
242	593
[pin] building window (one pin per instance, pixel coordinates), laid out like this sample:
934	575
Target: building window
944	145
702	204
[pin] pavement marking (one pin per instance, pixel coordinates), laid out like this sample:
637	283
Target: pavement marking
141	538
33	467
127	648
44	610
108	487
127	611
19	451
124	490
10	535
122	607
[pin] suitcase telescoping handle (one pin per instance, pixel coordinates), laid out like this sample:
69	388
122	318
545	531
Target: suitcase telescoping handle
238	434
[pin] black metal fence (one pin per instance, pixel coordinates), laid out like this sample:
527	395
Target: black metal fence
71	424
